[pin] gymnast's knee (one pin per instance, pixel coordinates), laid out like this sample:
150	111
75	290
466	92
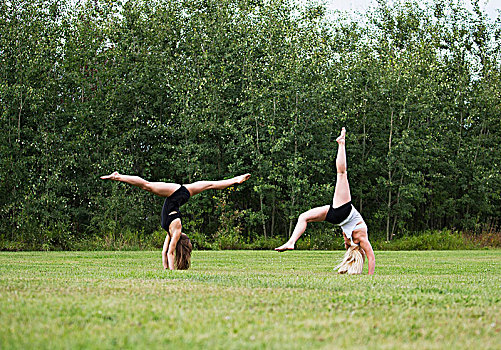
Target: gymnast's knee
303	217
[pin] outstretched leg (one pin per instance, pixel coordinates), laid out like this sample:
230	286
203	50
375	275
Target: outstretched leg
342	192
312	215
200	186
162	189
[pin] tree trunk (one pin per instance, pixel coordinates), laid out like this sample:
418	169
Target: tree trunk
261	194
363	147
398	200
272	229
395	217
262	211
388	233
19	119
295	166
291	221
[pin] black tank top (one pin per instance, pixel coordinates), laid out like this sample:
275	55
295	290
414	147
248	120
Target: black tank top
172	203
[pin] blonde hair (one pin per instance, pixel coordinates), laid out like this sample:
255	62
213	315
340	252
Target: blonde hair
353	261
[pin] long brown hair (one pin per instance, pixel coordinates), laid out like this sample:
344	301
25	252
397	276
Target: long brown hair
183	252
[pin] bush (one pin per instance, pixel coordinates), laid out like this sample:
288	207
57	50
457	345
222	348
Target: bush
268	243
122	240
12	246
485	240
234	242
321	240
434	240
199	240
312	240
157	238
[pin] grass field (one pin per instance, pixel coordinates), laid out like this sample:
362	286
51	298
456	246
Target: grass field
250	300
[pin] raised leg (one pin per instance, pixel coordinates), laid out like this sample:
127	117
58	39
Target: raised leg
312	215
162	189
200	186
342	191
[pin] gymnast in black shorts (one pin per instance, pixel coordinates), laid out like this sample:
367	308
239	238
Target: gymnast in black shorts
341	212
176	252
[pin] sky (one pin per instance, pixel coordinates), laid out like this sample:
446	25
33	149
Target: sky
490	6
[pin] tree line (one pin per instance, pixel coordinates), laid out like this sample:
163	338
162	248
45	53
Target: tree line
180	91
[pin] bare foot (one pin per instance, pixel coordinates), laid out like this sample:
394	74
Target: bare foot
284	247
113	176
242	178
341	138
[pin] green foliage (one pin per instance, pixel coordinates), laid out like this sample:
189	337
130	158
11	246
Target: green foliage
437	240
323	238
262	243
180	91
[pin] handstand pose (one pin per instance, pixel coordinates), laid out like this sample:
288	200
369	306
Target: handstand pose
176	195
341	213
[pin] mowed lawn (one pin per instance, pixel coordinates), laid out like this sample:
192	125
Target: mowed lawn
249	300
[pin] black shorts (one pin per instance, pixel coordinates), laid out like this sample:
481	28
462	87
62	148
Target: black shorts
338	215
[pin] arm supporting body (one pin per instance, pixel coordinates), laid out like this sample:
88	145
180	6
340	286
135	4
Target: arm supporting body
371	259
170	243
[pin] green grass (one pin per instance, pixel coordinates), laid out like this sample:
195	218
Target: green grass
249	300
